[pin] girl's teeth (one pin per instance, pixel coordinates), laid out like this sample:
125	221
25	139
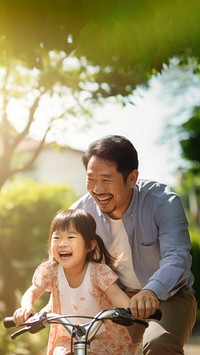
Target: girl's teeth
65	255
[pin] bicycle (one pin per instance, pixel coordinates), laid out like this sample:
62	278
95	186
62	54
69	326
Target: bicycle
81	335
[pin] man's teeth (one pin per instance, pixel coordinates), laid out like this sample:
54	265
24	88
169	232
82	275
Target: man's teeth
104	200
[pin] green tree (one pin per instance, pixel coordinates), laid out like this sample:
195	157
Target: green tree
179	90
40	98
190	144
180	85
124	35
116	45
26	210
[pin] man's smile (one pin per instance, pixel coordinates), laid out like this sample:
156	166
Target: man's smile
103	200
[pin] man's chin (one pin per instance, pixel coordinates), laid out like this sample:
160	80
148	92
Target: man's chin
105	209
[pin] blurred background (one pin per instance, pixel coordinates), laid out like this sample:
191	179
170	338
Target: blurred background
74	71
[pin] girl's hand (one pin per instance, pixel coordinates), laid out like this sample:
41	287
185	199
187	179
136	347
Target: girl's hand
22	314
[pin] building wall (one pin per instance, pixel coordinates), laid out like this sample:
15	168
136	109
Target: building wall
60	167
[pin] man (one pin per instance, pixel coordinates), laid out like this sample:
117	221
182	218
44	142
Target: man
143	225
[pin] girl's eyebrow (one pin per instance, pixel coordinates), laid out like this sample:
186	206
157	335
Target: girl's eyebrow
69	230
72	231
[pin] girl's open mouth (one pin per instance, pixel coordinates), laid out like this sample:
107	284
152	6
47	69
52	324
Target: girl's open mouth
65	254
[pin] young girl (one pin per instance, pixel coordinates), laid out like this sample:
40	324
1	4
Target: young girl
80	284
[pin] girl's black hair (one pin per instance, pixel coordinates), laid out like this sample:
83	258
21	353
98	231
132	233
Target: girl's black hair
84	223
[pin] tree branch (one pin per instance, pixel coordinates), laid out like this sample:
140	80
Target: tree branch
33	157
5	123
30	120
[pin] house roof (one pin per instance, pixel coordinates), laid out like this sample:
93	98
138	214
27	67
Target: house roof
32	144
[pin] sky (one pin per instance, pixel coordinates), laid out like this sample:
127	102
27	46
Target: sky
143	124
168	100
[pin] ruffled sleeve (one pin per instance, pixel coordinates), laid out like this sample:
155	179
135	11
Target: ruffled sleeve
104	276
45	275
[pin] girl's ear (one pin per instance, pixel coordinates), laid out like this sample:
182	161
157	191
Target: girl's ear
93	244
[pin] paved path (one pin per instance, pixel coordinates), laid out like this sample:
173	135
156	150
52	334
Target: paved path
193	345
192	348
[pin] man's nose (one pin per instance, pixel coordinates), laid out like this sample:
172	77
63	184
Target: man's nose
98	187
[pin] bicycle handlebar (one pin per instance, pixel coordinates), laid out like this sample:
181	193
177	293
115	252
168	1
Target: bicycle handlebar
39	321
125	317
8	322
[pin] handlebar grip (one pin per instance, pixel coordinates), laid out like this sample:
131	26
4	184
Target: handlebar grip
157	315
8	322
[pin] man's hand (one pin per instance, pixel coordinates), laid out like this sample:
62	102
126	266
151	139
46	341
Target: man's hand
144	303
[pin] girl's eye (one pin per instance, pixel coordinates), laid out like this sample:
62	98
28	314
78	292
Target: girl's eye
55	236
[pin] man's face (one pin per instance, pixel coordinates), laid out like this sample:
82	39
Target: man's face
107	187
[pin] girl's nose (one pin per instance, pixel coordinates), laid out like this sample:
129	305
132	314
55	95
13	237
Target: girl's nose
63	243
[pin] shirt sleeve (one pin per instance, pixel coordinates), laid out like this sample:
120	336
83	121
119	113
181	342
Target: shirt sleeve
104	276
174	270
44	276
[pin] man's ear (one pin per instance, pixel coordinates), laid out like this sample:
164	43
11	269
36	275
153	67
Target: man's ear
132	178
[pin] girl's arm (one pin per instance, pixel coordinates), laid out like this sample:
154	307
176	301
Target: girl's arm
117	297
48	307
27	302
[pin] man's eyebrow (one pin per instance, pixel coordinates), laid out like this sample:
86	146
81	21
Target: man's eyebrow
106	175
103	174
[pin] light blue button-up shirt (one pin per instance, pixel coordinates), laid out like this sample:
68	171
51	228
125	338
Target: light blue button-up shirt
157	230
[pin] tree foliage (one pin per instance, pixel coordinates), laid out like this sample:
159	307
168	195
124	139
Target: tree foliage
191	142
116	44
26	210
190	178
179	87
40	98
127	39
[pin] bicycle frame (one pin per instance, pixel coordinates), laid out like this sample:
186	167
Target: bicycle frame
81	334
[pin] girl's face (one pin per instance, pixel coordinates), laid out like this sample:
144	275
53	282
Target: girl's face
69	249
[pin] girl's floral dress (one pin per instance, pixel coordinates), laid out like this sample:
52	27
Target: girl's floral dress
115	340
